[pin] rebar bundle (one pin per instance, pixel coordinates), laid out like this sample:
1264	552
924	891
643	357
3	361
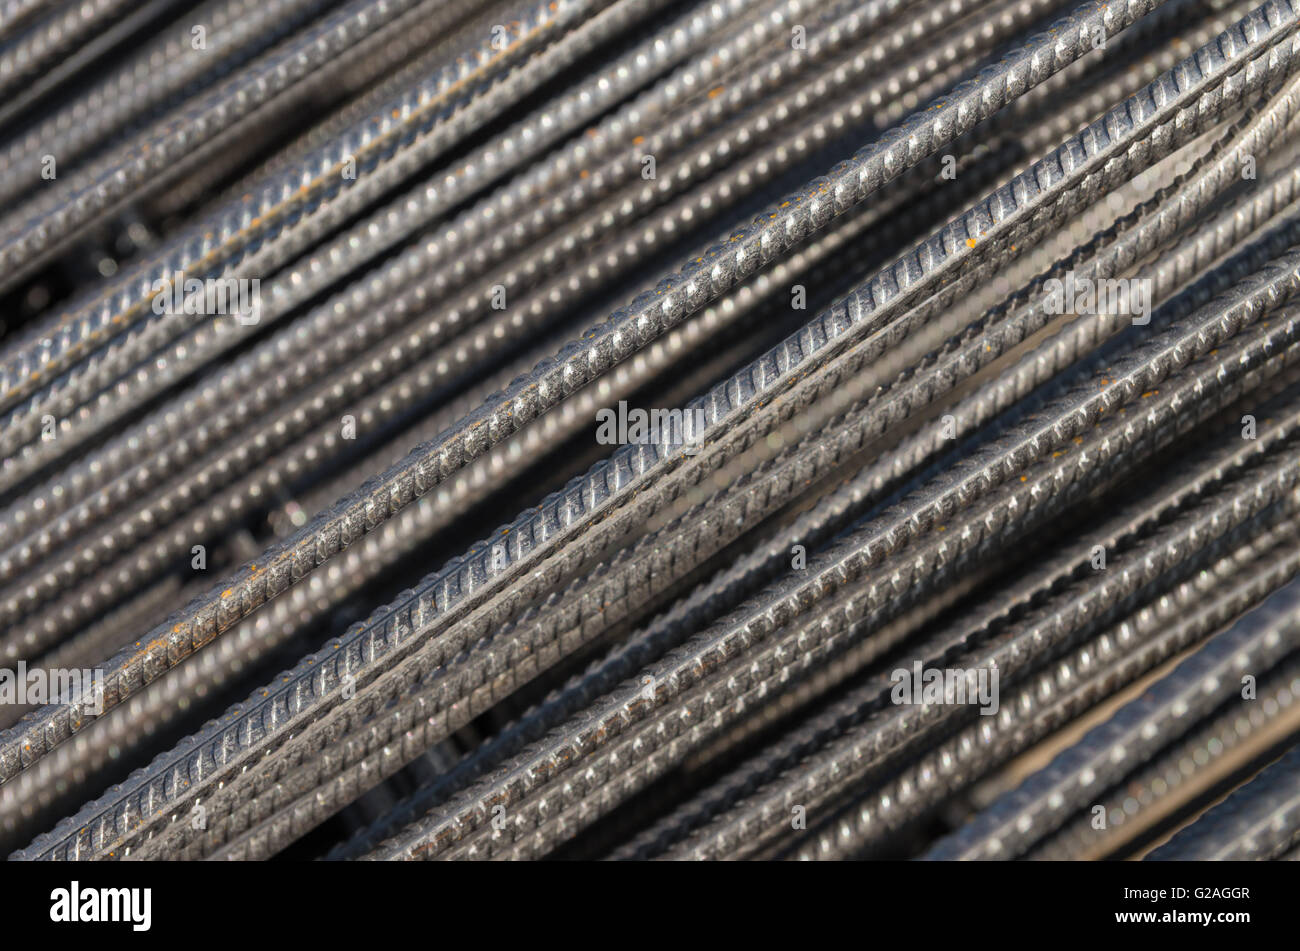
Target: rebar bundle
649	429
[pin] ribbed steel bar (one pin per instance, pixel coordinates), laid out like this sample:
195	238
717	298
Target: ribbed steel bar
1061	692
831	240
250	587
643	647
83	401
1213	674
745	833
477	240
1261	77
154	77
398	537
59	211
1142	799
585	614
1261	820
958	762
385	356
825	573
52	37
1116	539
385	549
417	126
15	13
1052	698
390	399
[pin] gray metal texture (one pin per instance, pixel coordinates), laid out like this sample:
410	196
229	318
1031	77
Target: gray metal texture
373	552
